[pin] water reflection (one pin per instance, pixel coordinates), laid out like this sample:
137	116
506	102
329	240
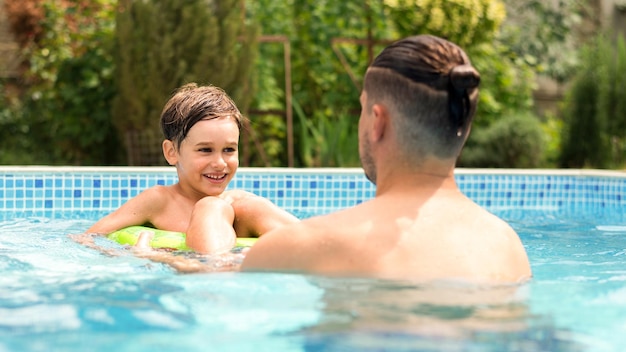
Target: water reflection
366	314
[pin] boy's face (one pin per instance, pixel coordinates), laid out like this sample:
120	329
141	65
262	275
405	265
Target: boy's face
208	157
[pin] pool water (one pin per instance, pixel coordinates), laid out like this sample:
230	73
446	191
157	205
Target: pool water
57	295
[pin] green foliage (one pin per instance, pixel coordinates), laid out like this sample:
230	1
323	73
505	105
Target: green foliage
322	85
542	34
162	45
514	141
464	22
505	87
15	146
594	111
84	62
66	105
552	126
268	125
268	130
328	141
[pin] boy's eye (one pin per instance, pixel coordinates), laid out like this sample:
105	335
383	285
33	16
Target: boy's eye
205	150
230	150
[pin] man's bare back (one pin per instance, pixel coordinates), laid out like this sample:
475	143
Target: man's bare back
400	236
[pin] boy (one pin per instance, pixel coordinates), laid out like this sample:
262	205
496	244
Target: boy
201	125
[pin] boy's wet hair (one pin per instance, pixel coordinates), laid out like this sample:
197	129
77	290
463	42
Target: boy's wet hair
192	103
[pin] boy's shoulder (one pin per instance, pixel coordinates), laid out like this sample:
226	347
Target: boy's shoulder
156	193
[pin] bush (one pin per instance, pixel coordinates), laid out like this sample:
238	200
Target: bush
25	17
162	45
514	141
594	109
325	96
67	88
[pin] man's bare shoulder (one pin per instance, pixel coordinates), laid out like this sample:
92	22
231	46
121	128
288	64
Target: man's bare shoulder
491	223
292	247
499	252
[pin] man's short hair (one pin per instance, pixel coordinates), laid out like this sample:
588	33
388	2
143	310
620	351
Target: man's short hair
433	88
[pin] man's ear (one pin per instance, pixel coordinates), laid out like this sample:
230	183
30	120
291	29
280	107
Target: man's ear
381	120
169	152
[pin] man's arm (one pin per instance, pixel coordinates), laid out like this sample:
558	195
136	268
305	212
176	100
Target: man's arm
283	249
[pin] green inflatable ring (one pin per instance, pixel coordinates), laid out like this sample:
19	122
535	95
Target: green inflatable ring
163	239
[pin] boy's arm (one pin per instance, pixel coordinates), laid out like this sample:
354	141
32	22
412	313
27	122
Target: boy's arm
136	211
217	221
210	228
255	216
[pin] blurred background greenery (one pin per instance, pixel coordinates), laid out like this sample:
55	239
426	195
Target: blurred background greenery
88	78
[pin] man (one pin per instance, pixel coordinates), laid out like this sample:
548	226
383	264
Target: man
418	101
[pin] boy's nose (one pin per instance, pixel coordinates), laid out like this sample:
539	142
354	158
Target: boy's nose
219	162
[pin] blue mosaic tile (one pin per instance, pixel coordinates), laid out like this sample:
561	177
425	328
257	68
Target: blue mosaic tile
317	192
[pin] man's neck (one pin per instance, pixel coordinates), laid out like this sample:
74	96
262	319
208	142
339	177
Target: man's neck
428	178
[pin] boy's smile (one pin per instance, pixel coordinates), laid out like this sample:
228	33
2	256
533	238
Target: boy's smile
208	157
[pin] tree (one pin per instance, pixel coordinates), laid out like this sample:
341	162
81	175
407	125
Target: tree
66	85
545	34
594	109
164	44
329	41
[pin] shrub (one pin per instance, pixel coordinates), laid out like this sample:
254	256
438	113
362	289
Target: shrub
162	45
514	141
25	17
594	110
65	104
328	48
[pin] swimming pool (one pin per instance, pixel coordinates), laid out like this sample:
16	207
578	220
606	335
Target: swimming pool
58	295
